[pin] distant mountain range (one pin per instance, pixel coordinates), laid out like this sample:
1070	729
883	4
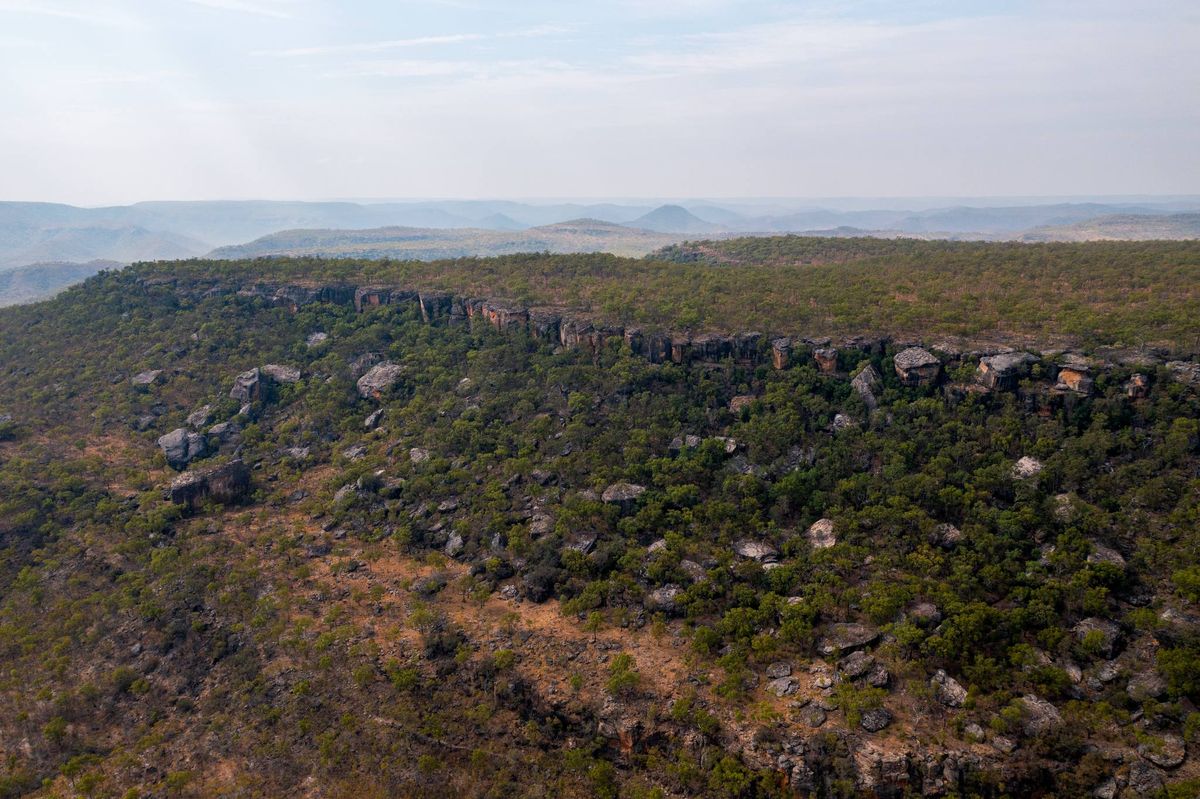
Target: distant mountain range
67	236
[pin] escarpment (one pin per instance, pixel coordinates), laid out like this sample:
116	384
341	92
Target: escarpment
1044	377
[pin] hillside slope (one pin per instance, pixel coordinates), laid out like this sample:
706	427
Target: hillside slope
305	527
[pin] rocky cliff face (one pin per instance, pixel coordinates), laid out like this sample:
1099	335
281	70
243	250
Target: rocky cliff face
998	367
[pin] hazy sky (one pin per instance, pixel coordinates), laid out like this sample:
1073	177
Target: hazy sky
122	100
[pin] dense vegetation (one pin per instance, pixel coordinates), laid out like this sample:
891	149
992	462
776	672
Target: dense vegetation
1090	294
351	627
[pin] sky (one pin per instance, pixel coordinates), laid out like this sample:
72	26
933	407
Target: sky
114	101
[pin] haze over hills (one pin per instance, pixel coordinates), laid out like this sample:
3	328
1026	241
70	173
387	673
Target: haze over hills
426	244
1121	227
37	233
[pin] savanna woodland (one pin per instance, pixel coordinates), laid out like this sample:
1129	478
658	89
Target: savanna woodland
766	517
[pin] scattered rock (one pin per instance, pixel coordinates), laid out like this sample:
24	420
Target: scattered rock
779	669
1145	685
1103	554
856	664
429	586
844	638
693	570
923	614
658	546
761	551
247	387
841	422
878	676
812	716
917	367
946	536
281	374
821	534
147	378
200	417
783	686
947	690
1166	751
583	543
541	525
225	432
379	379
181	447
1144	781
316	339
1004	745
876	719
1105	632
455	545
1040	715
1106	790
623	495
738	403
356	452
418	455
1027	467
663	600
729	444
226	484
1186	373
1003	372
372	421
865	383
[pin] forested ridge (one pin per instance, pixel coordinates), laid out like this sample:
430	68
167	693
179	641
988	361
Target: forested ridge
251	547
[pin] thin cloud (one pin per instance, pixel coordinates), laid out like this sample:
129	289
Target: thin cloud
86	14
275	10
371	47
416	41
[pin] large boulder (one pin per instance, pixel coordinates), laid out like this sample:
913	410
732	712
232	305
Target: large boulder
947	690
821	534
201	416
1186	373
1040	715
781	352
1003	372
226	484
379	380
1138	387
181	447
1099	633
827	359
1167	751
623	495
1075	377
280	373
248	386
844	638
865	383
917	367
664	599
761	551
1027	467
147	378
